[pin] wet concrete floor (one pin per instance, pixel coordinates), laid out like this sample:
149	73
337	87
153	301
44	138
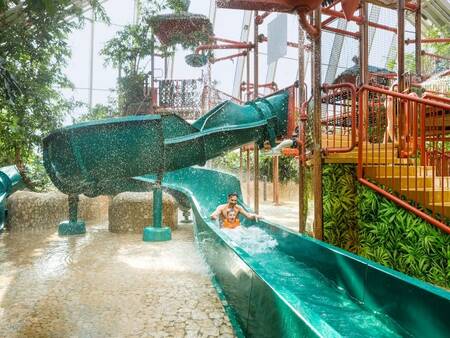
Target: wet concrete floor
106	285
285	214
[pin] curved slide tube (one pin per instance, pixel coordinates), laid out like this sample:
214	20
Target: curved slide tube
303	287
10	181
94	157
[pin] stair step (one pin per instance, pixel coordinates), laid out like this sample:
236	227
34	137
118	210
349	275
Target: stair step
427	195
440	208
369	159
377	171
412	182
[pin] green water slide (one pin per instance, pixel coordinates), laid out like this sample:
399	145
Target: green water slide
298	287
10	181
302	287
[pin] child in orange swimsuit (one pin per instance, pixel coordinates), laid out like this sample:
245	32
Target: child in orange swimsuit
231	221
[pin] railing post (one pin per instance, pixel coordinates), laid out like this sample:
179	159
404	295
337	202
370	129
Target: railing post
301	126
255	96
317	134
401	73
276	181
418	24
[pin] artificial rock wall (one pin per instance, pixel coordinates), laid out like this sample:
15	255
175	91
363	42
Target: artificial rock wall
30	210
127	212
132	211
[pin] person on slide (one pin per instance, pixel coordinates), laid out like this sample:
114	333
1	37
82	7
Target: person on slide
231	221
223	210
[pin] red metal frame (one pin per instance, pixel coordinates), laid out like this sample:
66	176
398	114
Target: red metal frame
429	40
240	45
229	57
339	106
431	96
435	55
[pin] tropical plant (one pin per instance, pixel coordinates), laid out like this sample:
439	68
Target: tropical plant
98	112
358	219
339	209
287	168
33	54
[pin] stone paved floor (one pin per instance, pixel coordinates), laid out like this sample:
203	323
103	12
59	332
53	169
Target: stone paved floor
106	285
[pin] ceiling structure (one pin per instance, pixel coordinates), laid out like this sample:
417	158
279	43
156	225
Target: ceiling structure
434	12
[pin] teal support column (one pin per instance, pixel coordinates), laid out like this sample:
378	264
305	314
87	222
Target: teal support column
73	226
186	215
158	232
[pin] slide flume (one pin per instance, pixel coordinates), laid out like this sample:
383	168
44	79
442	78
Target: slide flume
296	286
302	287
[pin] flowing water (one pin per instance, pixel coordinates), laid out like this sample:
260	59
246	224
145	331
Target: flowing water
311	290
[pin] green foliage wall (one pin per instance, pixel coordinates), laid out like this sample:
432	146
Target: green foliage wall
361	221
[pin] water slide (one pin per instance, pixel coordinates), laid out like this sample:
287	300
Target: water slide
276	283
10	181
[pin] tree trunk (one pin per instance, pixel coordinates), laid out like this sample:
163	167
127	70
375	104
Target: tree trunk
22	170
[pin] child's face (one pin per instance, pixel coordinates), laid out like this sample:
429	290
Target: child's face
231	216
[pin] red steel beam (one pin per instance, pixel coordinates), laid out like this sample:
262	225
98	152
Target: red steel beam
435	40
359	20
435	55
341	15
354	35
229	57
241	45
328	20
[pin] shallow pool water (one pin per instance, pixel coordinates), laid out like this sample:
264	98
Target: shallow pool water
106	285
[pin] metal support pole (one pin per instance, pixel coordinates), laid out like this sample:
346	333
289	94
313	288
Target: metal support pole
240	165
364	66
157	205
248	176
91	61
73	226
276	180
401	72
255	96
301	99
401	46
136	11
317	139
256	178
418	23
248	77
364	45
265	188
152	74
209	85
73	208
157	232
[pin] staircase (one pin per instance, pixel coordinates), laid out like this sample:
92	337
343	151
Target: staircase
405	176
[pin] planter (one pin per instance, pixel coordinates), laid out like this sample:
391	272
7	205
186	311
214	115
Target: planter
188	30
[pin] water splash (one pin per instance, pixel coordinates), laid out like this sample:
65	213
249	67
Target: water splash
252	239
